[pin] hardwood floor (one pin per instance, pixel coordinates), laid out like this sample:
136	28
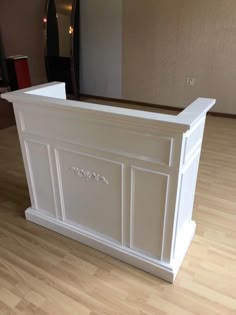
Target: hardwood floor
42	272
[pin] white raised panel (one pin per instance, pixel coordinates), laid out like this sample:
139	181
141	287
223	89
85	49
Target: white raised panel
91	192
187	189
193	140
40	176
127	142
148	203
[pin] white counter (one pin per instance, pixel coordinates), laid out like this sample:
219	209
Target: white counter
119	180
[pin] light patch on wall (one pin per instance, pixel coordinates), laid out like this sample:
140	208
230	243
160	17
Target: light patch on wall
101	47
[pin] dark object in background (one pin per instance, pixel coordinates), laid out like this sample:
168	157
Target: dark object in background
18	72
3	70
58	69
7	118
61	42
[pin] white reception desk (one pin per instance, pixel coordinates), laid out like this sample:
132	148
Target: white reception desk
119	180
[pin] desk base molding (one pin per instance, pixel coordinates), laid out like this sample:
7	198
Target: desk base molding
158	268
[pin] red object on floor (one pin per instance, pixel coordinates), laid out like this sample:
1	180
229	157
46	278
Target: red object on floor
22	73
18	72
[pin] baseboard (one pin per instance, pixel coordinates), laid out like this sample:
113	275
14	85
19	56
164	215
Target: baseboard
121	101
162	270
153	266
151	105
224	115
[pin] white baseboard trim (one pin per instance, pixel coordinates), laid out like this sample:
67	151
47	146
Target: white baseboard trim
160	269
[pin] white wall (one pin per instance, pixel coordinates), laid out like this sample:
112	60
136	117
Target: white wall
101	47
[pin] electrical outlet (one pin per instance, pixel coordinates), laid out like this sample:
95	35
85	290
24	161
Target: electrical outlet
190	81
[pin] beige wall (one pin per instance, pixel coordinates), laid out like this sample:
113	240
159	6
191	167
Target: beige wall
22	32
166	41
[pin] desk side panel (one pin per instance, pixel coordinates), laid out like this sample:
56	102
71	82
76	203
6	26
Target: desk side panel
192	143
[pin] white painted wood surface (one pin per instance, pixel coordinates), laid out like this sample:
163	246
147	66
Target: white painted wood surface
119	180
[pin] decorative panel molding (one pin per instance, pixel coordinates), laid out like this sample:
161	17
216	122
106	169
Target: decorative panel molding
88	175
87	196
193	140
187	186
148	203
40	176
145	146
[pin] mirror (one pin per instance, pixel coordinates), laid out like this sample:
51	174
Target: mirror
60	42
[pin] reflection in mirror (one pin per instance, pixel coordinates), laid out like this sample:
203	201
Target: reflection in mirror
52	30
64	10
59	28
